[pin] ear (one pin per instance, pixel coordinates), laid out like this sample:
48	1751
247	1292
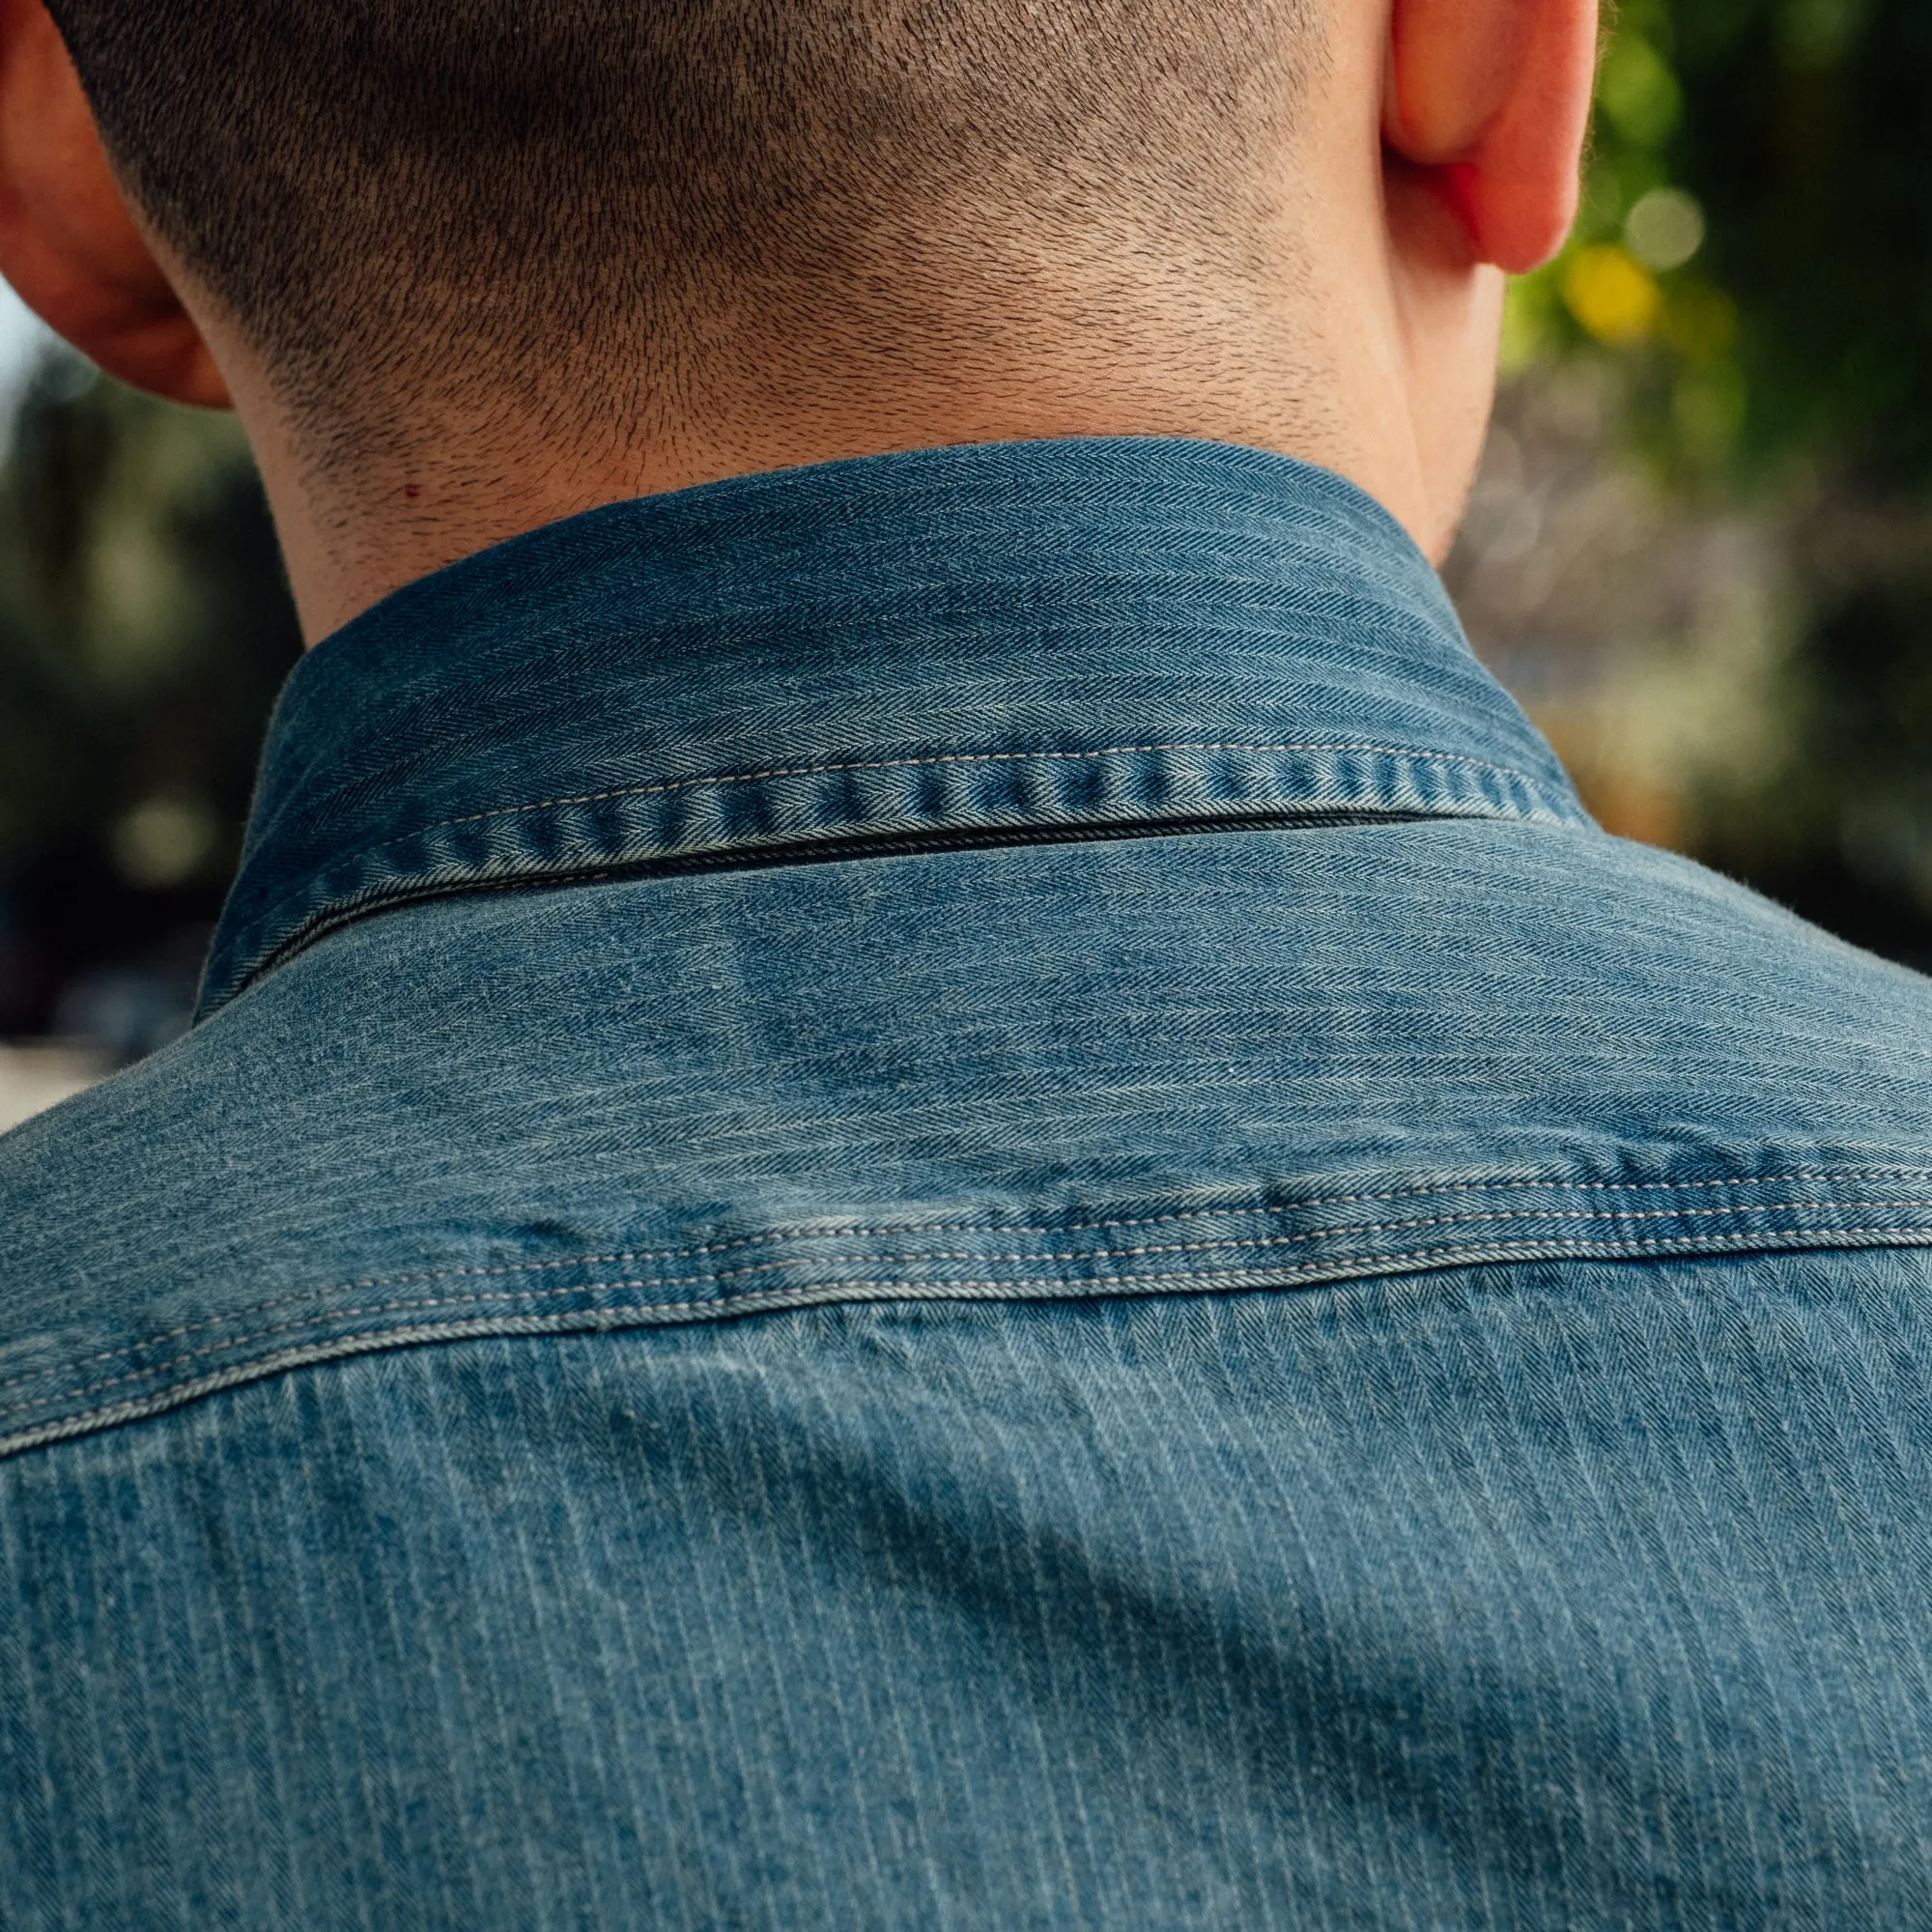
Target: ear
1488	102
67	244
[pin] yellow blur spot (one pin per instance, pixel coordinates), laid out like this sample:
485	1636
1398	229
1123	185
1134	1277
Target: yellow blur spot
1611	293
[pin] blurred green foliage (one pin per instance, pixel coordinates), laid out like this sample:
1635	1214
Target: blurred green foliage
1804	133
1755	257
1866	676
144	629
1794	327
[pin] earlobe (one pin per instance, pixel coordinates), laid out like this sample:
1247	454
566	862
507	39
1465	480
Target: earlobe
1489	100
68	245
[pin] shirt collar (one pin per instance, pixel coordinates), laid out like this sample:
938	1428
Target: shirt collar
1016	638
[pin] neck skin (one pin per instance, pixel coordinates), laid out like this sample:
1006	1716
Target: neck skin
1368	349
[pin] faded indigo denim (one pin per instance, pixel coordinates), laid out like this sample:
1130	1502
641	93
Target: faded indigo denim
953	1191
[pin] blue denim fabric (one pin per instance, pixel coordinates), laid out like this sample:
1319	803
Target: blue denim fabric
953	1191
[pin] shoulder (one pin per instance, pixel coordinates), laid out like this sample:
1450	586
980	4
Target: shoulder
471	1110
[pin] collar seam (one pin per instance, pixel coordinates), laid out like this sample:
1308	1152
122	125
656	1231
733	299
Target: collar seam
274	934
833	768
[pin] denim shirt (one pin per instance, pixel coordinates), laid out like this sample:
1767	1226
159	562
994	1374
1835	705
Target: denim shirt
954	1191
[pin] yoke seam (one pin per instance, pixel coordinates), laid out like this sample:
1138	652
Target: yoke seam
804	1232
938	1291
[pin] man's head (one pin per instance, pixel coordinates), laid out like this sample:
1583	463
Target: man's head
547	251
537	195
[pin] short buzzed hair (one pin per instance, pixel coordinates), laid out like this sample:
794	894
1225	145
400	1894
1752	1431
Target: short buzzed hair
535	186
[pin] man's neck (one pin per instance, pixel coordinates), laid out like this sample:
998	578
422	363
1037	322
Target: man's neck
372	517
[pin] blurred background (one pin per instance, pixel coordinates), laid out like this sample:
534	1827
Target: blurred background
1700	548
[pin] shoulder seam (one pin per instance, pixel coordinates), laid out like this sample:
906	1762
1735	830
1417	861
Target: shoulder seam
911	1229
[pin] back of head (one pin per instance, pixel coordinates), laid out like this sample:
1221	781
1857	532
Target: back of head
422	199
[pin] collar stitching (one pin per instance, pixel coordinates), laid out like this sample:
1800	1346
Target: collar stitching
953	758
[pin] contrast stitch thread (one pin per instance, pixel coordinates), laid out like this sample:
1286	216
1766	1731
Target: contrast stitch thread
1248	1241
947	758
941	1291
802	1231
